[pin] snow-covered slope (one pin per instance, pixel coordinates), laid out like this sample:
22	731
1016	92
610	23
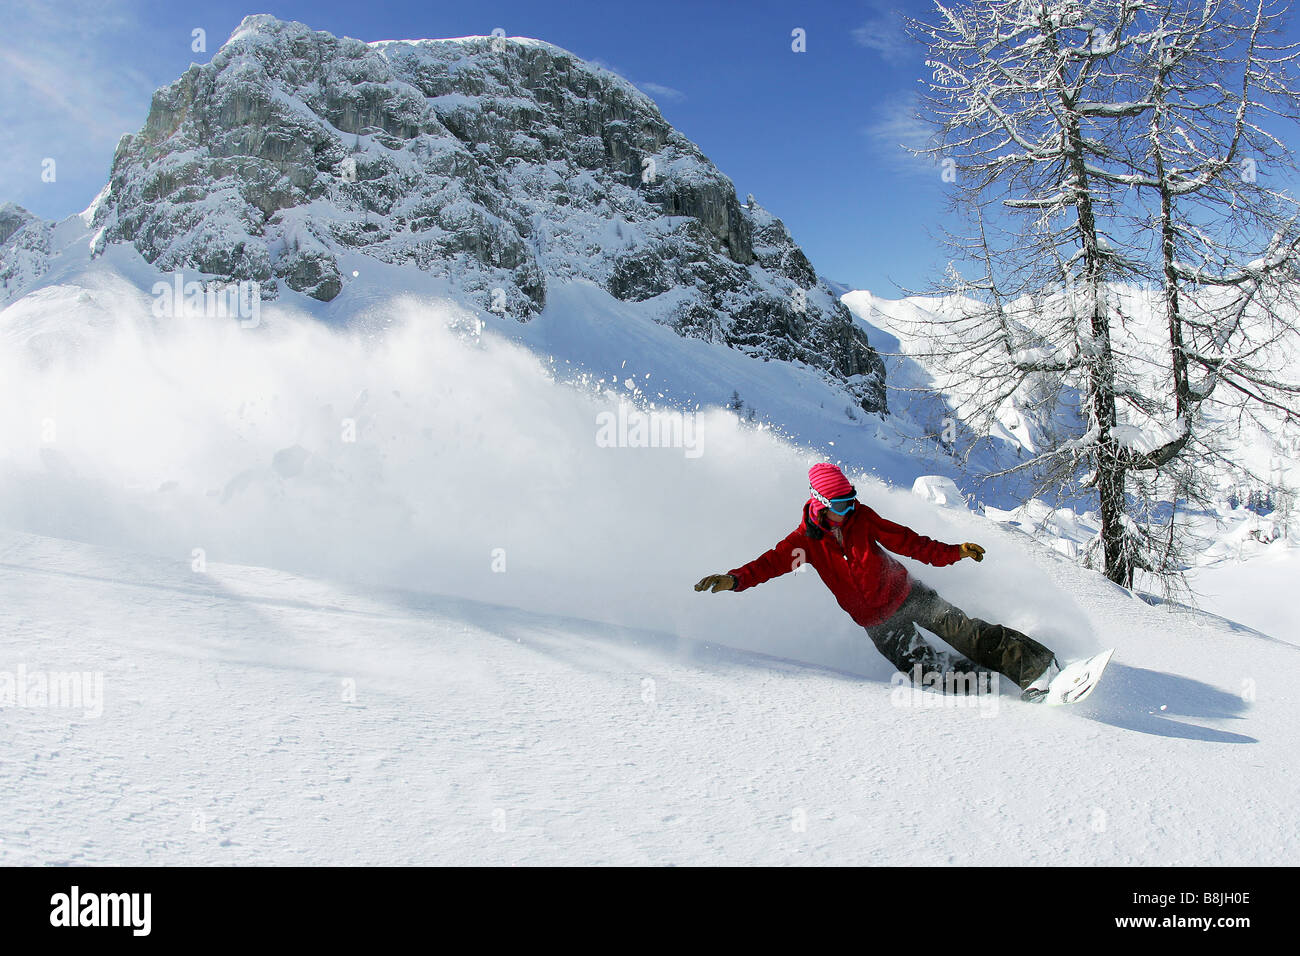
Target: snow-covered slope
482	643
256	717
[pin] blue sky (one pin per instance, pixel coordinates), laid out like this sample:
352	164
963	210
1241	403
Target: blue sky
813	135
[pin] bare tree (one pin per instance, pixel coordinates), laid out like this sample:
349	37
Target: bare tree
1212	79
1077	132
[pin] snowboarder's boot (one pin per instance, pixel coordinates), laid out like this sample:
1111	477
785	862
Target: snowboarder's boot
1037	690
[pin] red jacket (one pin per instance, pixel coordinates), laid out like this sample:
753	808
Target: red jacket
866	582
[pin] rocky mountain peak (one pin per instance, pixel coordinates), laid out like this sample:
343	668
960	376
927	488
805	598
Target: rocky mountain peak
504	165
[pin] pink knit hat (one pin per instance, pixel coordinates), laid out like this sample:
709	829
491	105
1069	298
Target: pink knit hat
826	479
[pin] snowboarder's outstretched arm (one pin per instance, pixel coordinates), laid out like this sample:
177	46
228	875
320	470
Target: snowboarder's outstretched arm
903	540
782	559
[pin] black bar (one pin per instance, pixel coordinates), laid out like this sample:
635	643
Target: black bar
334	906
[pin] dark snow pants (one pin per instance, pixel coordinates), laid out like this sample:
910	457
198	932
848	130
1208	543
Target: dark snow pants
988	647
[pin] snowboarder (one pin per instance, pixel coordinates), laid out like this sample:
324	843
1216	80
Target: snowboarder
845	542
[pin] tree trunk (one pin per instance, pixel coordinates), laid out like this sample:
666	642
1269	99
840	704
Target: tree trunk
1100	368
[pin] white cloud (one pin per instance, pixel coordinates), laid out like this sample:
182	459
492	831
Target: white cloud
657	91
897	129
883	34
661	92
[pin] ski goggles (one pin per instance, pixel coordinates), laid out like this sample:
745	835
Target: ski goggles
839	506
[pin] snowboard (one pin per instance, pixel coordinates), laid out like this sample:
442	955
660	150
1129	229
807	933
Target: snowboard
1076	681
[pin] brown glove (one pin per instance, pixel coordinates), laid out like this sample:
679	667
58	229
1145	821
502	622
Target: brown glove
969	550
718	582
